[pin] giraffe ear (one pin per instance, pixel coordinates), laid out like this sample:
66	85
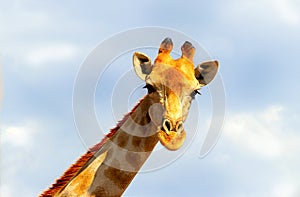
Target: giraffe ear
206	71
142	65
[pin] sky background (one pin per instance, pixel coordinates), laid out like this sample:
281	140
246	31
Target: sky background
43	43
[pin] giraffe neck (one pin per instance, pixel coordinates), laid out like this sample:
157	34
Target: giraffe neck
127	151
119	159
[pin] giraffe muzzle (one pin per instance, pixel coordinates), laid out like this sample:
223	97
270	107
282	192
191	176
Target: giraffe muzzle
172	136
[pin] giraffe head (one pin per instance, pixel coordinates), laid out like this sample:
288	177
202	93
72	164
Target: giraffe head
175	82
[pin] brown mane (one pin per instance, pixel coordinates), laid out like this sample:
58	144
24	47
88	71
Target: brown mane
76	167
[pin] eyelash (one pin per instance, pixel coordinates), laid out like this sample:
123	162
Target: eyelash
194	93
150	88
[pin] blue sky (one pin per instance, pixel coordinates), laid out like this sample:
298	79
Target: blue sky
43	43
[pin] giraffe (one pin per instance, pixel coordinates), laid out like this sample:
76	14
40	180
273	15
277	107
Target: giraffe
107	168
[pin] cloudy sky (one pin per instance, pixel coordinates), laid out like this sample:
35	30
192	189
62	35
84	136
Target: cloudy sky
43	44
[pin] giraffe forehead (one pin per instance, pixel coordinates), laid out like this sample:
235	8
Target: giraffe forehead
181	66
175	78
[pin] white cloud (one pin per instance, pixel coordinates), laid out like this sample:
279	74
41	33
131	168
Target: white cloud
5	190
263	133
288	189
51	53
20	18
25	40
17	144
271	139
257	11
18	136
287	11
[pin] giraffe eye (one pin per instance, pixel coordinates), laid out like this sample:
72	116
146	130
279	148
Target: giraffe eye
150	88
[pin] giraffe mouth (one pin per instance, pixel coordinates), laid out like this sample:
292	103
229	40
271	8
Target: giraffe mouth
172	140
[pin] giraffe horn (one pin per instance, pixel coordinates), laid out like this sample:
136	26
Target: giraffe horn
166	46
188	51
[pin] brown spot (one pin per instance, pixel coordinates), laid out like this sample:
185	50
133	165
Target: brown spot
120	178
136	141
143	144
134	159
122	139
99	191
150	143
142	112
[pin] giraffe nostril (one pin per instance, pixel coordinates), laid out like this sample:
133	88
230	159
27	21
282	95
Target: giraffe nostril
179	126
167	126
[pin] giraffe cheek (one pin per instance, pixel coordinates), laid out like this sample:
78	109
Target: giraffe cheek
172	141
